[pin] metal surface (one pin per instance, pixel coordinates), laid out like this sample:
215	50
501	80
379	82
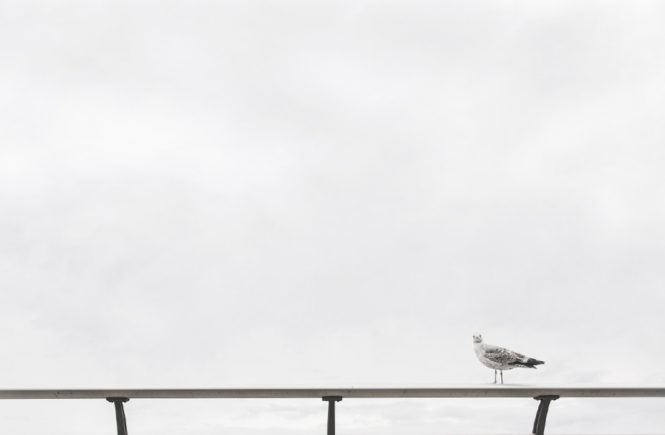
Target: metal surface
302	393
541	414
331	412
120	420
543	394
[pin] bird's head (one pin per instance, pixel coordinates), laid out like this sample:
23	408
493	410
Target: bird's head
478	338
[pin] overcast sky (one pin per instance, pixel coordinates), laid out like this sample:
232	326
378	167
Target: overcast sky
335	194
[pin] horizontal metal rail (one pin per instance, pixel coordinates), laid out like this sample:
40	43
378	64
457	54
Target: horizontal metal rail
332	395
305	393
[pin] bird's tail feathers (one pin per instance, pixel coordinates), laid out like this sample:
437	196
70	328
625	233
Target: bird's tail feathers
531	363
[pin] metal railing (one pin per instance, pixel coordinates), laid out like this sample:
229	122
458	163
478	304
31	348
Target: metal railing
332	395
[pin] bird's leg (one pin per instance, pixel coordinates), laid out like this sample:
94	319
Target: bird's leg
501	376
495	376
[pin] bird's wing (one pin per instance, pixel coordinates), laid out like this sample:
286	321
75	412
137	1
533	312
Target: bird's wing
501	355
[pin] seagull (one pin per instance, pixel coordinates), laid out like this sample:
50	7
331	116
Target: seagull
501	359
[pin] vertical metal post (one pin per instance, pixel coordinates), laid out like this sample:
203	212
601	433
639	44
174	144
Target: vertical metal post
120	419
541	414
331	412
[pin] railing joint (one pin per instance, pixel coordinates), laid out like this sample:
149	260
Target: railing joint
117	399
332	398
331	412
120	419
541	414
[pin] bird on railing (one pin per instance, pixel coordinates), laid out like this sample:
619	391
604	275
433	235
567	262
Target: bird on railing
499	358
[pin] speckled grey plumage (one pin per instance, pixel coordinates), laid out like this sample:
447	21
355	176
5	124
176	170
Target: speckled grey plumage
499	358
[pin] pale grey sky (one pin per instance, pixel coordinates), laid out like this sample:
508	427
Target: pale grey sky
212	194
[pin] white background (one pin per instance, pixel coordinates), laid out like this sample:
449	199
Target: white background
335	194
